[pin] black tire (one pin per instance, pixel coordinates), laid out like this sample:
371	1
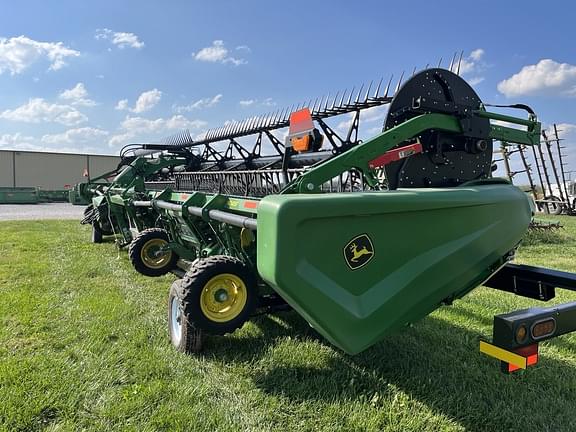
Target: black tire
198	286
183	334
89	208
555	207
96	233
144	245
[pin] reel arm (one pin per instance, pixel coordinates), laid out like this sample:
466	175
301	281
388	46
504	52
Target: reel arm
363	156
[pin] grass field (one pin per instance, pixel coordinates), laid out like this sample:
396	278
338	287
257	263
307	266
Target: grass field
84	346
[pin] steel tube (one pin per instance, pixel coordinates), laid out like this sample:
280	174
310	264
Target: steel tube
142	203
218	215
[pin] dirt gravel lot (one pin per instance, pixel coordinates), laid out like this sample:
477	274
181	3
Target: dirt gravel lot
40	211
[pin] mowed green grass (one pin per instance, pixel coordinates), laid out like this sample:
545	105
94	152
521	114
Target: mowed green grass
84	346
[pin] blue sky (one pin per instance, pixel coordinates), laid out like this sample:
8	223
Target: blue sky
90	77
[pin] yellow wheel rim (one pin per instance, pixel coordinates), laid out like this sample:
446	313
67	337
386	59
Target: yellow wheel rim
223	297
153	256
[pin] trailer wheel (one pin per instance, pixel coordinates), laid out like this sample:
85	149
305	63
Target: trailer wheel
96	233
183	334
147	256
88	210
219	294
554	207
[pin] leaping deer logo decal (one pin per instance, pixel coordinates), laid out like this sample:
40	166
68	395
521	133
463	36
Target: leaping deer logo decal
358	251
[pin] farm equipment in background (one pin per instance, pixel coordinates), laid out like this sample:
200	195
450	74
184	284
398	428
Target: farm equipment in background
552	198
143	167
31	195
360	238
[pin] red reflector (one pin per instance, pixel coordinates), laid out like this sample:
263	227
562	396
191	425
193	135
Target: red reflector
395	155
530	352
532	360
250	204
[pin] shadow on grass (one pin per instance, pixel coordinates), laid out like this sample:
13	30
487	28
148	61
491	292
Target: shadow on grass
249	348
435	363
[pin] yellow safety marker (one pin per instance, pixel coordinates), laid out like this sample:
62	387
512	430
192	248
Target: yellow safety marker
502	354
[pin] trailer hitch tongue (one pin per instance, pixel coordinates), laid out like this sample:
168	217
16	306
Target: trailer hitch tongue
516	335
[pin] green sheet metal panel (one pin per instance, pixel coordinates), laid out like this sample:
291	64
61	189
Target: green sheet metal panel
18	195
413	250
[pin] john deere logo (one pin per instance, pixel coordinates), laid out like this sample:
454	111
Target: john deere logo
359	251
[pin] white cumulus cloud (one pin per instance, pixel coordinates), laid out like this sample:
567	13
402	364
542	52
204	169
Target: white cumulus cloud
16	141
218	53
136	127
145	102
472	66
200	103
77	95
76	136
370	115
268	102
122	105
120	39
545	77
37	110
19	53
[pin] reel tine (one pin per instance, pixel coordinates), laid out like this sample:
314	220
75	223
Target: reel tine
388	86
440	62
359	93
453	61
326	103
253	122
368	91
427	65
261	122
230	129
245	125
350	96
459	62
334	101
377	89
240	126
279	117
340	104
264	121
414	71
399	83
314	106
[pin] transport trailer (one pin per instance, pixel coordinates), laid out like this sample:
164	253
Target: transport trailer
361	238
516	335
